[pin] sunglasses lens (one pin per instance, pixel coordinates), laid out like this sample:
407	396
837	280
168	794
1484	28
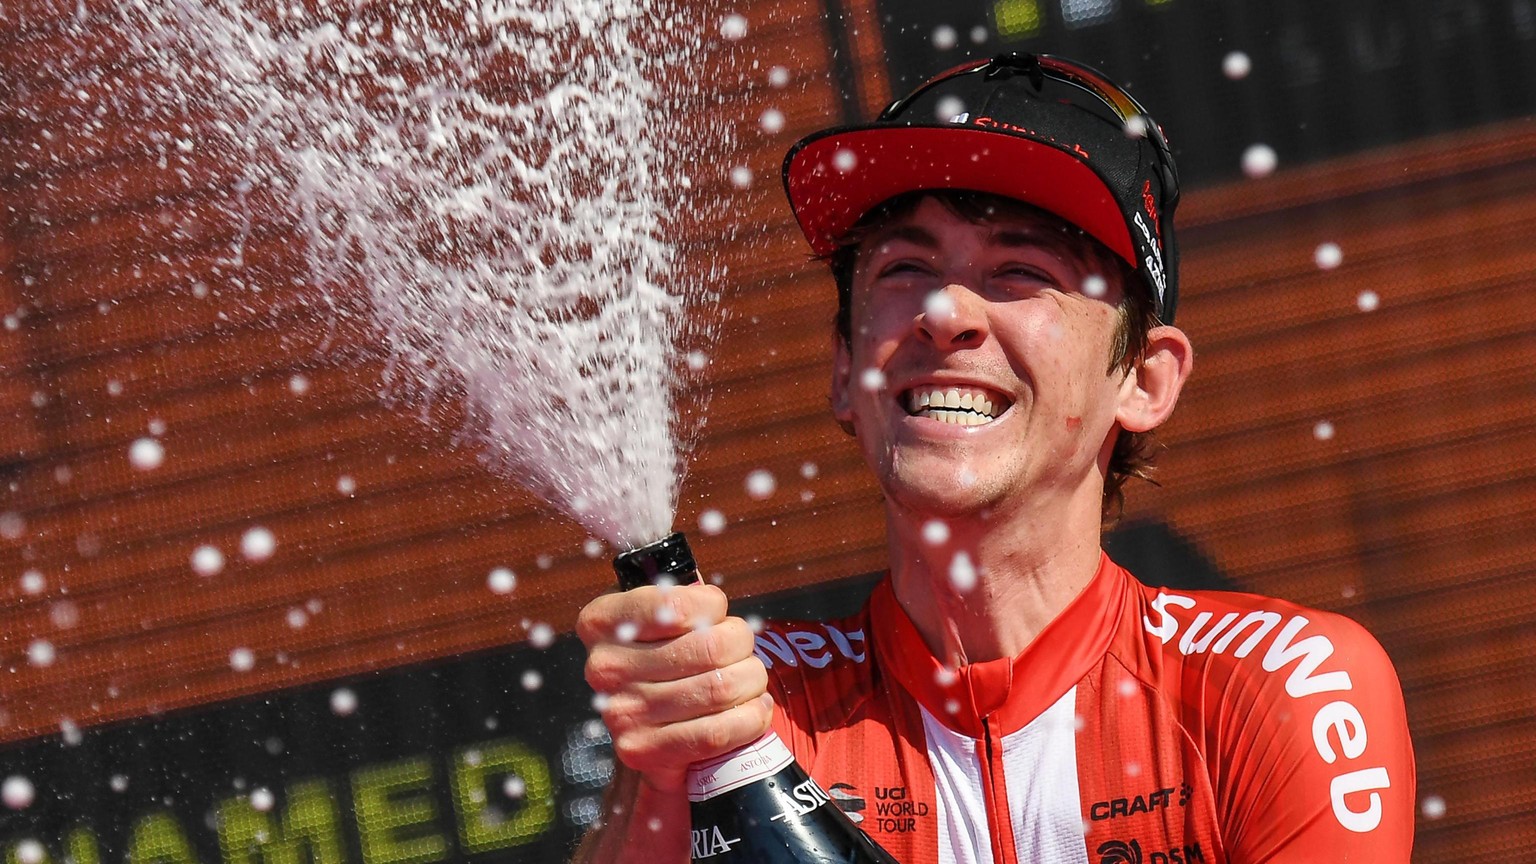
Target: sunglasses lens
1053	80
961	89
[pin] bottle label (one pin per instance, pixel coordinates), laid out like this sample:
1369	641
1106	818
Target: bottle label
757	761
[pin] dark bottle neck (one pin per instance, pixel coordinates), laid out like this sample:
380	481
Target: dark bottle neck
667	558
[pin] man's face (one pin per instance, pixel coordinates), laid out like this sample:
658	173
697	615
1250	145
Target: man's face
1008	319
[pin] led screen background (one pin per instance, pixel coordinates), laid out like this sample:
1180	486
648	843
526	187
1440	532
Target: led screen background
1359	435
1324	79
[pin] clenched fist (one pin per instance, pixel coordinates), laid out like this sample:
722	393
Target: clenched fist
681	683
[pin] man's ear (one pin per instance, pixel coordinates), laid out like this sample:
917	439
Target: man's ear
1152	388
841	395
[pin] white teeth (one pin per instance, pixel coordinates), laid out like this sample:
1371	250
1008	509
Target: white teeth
955	418
971	408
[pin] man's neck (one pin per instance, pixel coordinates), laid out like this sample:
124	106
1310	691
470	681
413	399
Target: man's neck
989	587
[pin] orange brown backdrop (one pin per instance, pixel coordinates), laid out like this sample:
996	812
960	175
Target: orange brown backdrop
1373	458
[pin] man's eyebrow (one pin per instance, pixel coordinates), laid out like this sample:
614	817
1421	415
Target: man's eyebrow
1014	237
914	234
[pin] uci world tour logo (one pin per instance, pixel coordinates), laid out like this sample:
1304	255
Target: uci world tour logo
1120	852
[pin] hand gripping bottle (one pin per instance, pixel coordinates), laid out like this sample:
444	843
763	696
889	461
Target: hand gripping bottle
755	805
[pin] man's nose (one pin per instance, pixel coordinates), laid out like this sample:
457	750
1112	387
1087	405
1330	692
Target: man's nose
953	317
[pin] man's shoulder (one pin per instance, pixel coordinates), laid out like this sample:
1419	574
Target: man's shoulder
1224	654
1288	682
1233	626
1273	689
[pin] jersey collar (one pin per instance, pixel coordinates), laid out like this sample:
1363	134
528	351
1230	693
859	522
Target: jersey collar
1008	692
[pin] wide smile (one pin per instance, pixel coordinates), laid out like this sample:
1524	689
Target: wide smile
955	405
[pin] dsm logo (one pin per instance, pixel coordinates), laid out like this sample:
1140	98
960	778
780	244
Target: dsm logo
1120	852
1129	852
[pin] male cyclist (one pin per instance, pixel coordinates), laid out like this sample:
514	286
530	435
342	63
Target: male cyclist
1006	280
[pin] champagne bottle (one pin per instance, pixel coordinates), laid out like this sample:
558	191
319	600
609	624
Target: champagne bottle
754	805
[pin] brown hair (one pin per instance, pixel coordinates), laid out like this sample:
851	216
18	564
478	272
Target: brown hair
1134	452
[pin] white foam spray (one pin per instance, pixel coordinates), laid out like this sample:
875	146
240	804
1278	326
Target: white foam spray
507	180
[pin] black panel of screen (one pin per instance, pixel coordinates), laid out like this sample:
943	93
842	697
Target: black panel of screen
1310	79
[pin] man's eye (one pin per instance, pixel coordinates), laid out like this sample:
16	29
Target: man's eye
898	268
1021	271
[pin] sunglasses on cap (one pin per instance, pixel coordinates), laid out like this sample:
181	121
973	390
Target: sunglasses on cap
1038	68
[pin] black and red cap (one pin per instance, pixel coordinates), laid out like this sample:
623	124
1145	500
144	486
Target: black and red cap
1040	129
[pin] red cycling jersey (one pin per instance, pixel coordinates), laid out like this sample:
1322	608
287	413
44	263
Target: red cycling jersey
1142	726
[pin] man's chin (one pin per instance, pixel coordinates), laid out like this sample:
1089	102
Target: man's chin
959	494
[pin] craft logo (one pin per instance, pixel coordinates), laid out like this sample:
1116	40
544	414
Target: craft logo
1155	800
1129	852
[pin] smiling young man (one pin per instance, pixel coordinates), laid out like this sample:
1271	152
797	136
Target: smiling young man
1006	280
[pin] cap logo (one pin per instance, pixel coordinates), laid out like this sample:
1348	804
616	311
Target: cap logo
993	123
1154	259
1151	204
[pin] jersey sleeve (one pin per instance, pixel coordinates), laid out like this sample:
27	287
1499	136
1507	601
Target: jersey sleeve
791	708
817	675
1317	761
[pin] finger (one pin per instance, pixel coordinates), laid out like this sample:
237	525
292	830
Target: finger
650	613
614	667
695	696
664	749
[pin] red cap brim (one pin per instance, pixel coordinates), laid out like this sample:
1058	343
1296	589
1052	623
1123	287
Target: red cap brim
834	179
